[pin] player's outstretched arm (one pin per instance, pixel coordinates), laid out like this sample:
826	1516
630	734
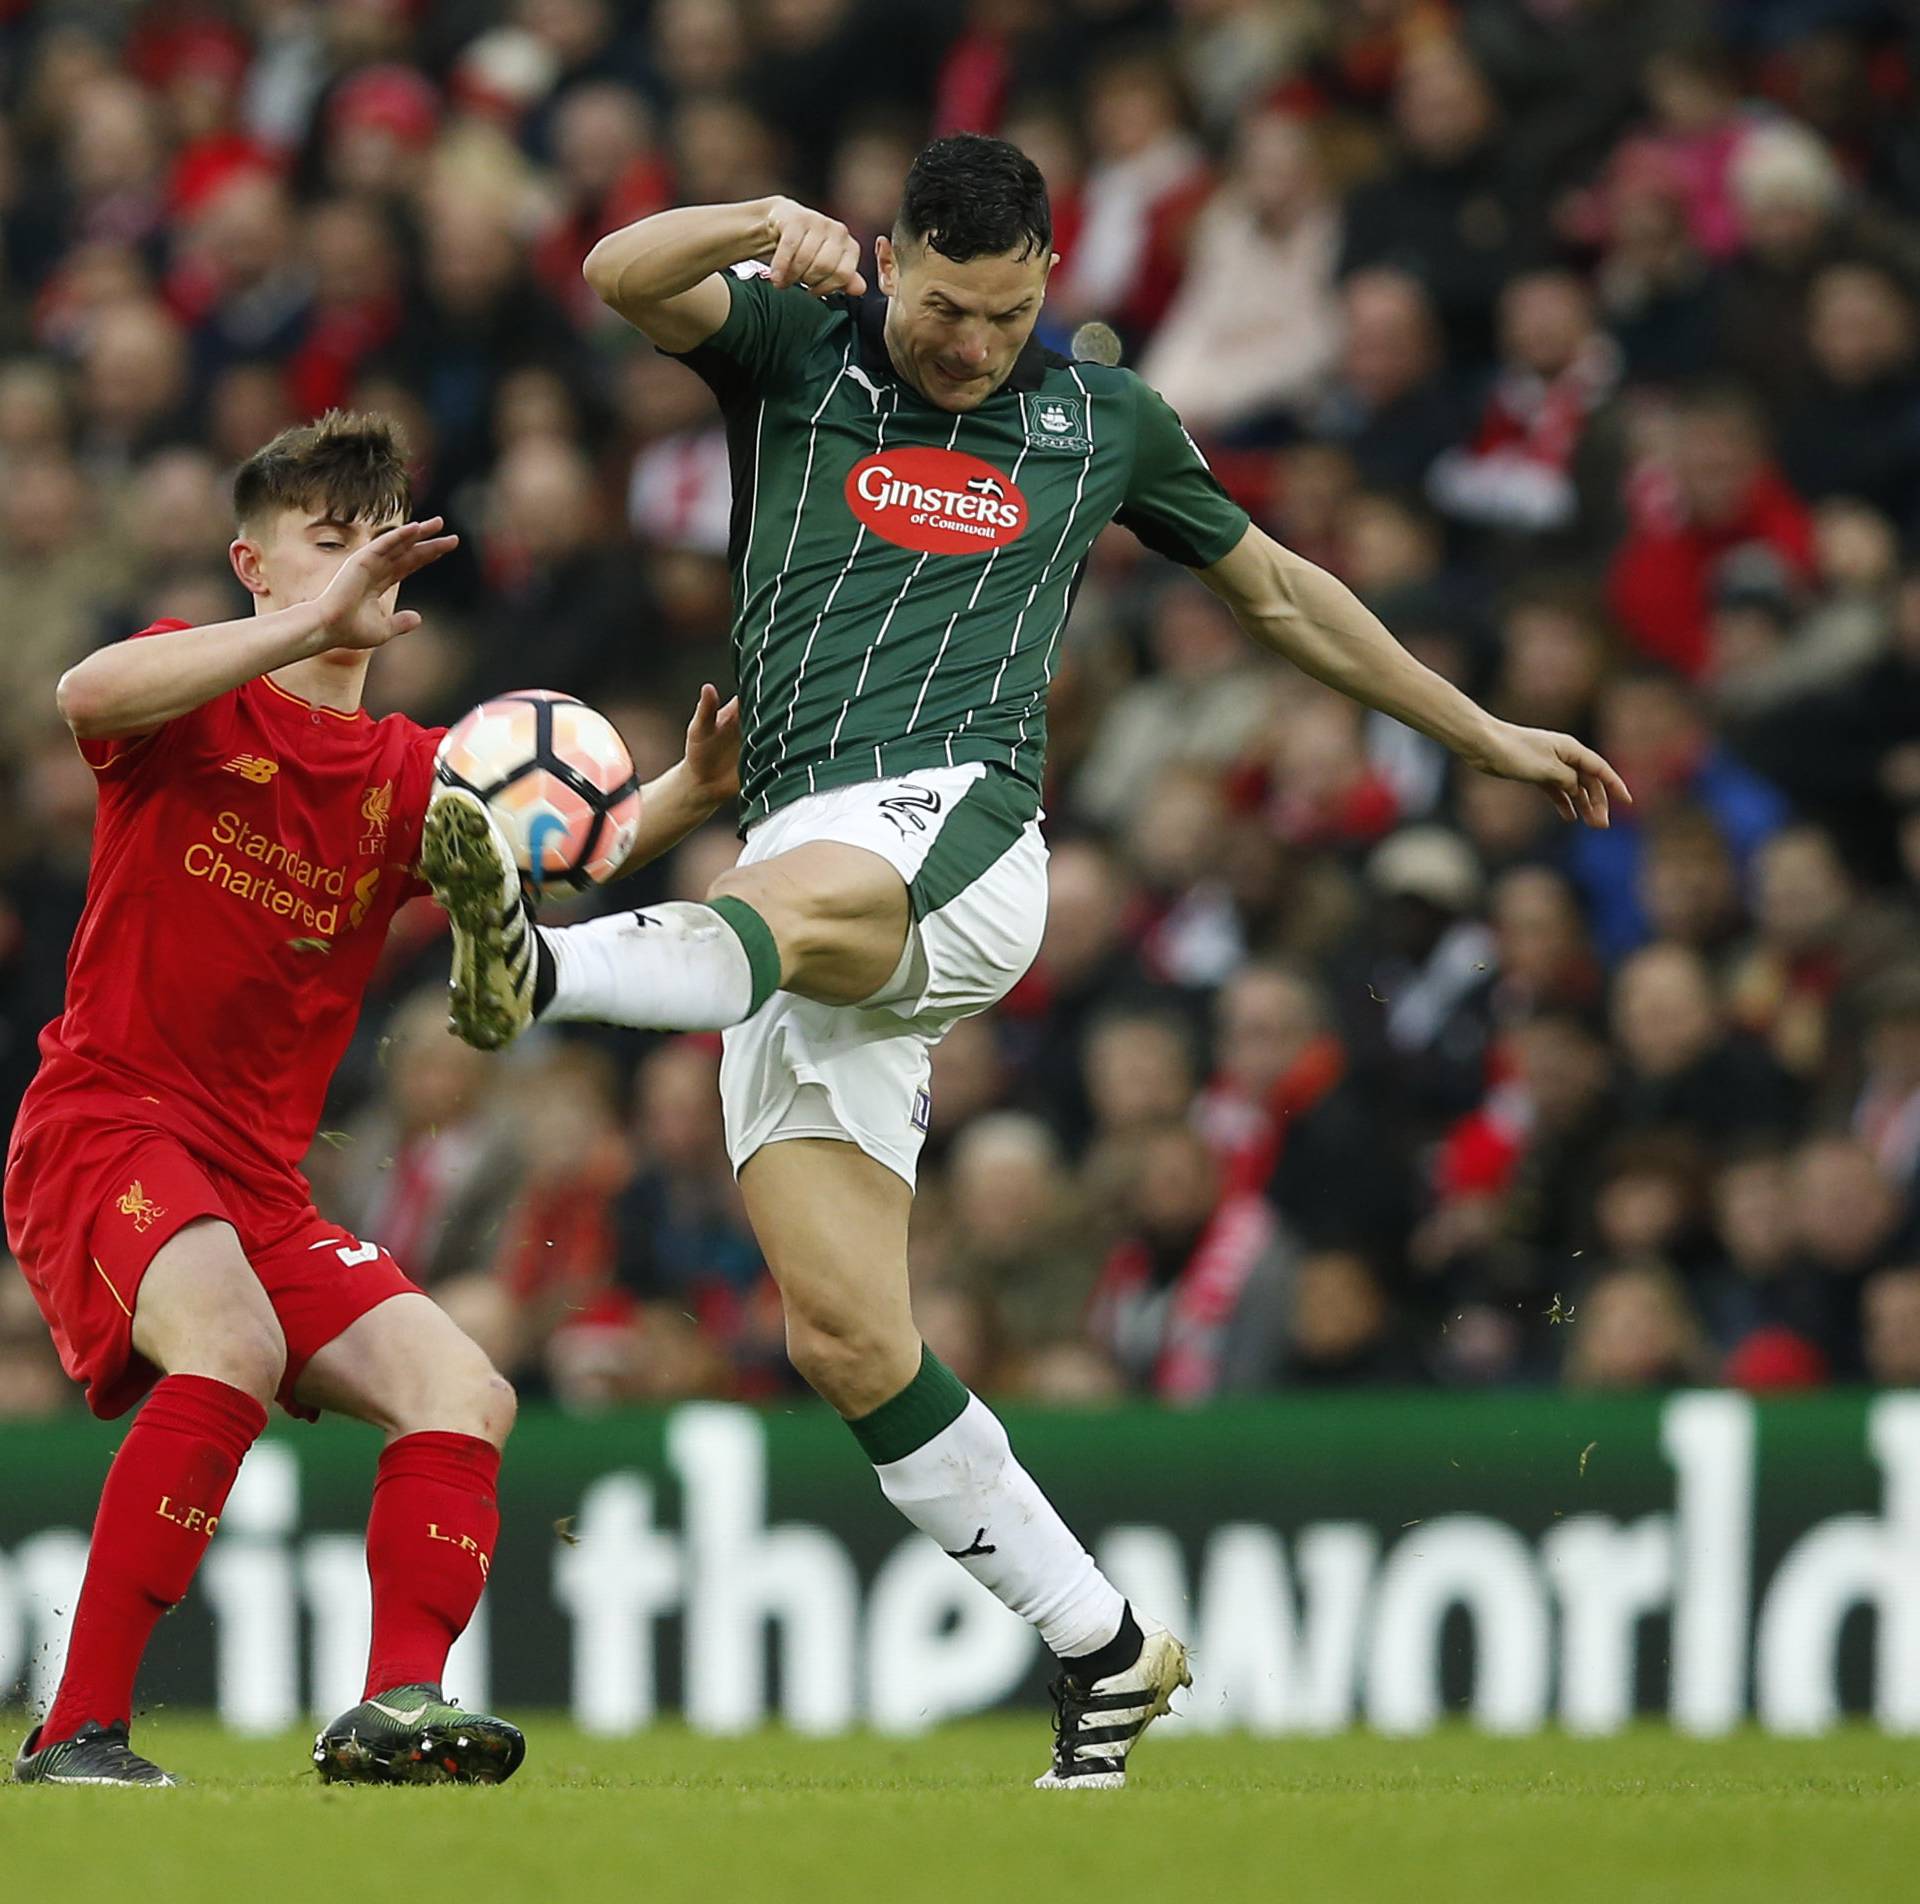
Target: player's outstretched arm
660	273
693	789
1287	604
132	687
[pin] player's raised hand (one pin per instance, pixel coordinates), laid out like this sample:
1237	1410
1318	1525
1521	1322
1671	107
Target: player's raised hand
807	248
357	605
713	745
1579	782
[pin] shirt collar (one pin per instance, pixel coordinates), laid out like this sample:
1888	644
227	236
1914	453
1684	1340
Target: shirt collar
870	327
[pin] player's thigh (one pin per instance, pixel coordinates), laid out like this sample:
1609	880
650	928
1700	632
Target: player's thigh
200	1310
838	913
408	1368
832	1222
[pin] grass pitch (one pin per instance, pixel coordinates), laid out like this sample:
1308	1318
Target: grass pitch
670	1816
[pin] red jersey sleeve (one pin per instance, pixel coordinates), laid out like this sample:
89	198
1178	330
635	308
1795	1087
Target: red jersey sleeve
102	752
424	744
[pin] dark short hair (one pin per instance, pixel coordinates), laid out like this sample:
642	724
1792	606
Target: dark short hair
349	465
969	196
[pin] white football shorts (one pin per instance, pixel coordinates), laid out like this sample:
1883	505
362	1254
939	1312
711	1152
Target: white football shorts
967	842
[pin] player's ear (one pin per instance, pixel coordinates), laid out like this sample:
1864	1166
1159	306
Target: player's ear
887	264
245	557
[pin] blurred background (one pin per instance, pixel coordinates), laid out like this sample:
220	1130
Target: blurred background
1581	337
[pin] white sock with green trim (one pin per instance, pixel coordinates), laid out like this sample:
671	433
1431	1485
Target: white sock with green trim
945	1462
672	967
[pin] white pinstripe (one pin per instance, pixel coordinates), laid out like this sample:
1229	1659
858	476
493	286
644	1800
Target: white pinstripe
859	687
813	634
800	509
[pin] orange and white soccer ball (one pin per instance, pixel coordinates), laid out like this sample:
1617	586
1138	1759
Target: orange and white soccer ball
558	778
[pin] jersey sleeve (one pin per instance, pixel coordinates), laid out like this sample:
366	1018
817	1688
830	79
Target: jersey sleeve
422	744
105	753
1173	503
764	340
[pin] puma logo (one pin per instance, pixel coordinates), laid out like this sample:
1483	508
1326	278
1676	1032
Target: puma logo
980	1546
905	810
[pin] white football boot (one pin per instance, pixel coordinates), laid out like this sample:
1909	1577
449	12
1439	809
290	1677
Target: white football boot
1097	1723
467	862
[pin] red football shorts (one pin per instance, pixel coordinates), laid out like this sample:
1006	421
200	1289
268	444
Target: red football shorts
89	1203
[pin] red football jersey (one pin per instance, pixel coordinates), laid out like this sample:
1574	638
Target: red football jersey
247	858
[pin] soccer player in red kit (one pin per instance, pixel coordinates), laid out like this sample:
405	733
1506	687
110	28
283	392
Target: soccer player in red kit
256	832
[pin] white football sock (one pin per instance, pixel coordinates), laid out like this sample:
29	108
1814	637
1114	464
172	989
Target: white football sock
672	967
965	1489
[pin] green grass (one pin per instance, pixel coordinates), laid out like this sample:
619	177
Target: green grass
671	1816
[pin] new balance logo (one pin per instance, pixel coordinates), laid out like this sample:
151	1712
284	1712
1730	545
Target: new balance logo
980	1546
255	767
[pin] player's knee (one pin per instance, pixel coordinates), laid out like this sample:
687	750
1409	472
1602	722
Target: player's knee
496	1407
247	1352
781	905
850	1363
471	1397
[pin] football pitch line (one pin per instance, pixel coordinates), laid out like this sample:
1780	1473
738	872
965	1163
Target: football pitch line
1454	1818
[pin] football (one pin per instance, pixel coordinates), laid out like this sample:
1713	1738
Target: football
558	778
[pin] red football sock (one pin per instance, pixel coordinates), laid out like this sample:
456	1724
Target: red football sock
161	1503
430	1542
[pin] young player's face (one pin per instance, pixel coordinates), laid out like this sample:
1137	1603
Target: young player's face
954	330
294	555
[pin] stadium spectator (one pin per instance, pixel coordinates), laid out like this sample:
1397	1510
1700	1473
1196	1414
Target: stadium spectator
1855	430
1886	1114
1543	461
1449	210
1634	1329
1891	1308
1720	494
1022	1254
1391	405
1199	706
1254	328
1685	1068
1146	180
429	1166
1192	1300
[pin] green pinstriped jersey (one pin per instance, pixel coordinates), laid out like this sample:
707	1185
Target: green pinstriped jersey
901	574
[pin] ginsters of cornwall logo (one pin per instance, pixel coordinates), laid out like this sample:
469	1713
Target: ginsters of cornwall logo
135	1203
1056	423
936	501
377	810
255	767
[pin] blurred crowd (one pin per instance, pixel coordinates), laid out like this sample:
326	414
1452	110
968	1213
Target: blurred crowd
1581	337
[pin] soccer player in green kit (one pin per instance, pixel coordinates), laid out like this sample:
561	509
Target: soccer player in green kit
917	483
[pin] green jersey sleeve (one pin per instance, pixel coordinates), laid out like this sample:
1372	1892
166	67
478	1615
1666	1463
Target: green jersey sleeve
1173	504
764	339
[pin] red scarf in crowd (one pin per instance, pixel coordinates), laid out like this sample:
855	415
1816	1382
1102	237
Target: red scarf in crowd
1205	1295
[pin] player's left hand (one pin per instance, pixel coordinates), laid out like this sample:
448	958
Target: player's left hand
713	746
1580	783
356	606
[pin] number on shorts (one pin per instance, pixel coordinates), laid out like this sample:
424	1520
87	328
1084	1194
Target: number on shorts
364	1253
